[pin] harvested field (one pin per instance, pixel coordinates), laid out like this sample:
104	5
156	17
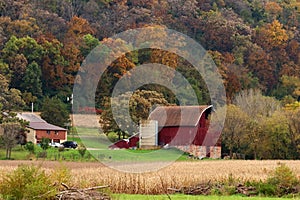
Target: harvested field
177	175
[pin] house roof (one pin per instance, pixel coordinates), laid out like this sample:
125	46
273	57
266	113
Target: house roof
30	117
178	115
37	123
45	126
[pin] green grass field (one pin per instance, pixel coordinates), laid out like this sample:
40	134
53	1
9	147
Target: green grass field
189	197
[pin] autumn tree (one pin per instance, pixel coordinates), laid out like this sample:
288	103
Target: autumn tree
52	65
273	10
219	29
234	129
292	114
261	65
272	36
73	39
257	107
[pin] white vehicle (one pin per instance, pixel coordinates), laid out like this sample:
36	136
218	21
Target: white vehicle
55	144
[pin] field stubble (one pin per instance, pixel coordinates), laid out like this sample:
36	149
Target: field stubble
177	175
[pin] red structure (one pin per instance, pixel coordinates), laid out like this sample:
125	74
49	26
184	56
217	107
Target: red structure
183	127
131	142
39	128
186	127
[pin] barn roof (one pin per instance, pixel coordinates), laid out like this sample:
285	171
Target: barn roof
37	123
168	116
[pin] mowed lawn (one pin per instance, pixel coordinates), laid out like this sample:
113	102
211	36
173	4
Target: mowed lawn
98	146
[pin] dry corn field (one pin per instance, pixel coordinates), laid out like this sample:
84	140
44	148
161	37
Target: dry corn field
177	175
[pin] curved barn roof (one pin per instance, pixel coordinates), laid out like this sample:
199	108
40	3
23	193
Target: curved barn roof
178	115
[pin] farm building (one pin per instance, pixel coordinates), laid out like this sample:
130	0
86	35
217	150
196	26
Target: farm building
131	142
39	128
183	127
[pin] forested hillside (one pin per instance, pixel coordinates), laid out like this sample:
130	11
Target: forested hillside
254	43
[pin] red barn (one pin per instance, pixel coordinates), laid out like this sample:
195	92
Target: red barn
185	127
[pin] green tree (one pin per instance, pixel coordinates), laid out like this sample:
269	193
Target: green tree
89	43
32	80
18	53
10	98
141	103
54	111
275	141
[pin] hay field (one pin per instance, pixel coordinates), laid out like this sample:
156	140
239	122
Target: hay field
175	176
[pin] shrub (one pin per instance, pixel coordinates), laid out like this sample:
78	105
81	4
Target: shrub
45	143
30	147
27	182
31	182
283	179
113	137
266	189
82	151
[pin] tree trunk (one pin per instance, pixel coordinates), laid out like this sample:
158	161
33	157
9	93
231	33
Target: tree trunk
230	153
7	153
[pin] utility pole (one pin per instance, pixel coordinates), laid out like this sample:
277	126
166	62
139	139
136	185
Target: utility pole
70	99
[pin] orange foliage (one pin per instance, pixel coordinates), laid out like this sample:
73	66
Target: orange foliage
272	36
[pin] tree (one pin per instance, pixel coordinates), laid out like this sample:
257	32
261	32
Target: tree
272	36
275	141
32	80
257	107
10	98
9	138
73	40
52	65
260	63
292	114
234	128
114	117
89	43
18	53
273	10
142	102
54	111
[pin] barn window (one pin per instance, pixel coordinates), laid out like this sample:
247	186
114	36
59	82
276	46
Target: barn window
48	132
56	132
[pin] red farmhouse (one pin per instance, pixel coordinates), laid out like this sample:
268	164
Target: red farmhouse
39	128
